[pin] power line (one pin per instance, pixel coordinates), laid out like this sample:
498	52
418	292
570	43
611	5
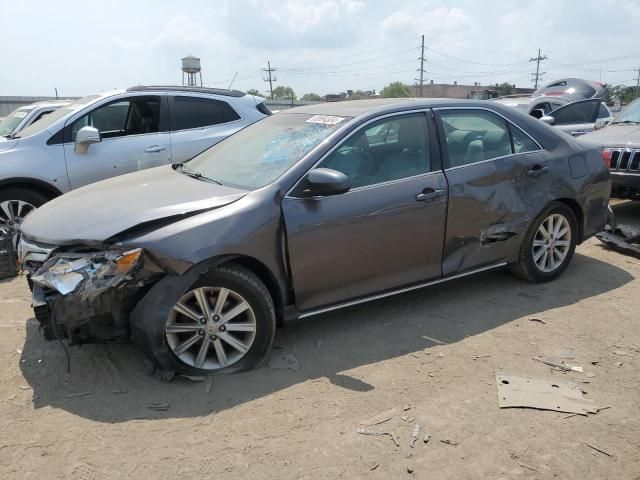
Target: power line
537	75
269	78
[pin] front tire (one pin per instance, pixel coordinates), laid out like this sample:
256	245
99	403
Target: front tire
548	245
224	322
15	205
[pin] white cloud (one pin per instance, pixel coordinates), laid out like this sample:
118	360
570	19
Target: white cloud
450	22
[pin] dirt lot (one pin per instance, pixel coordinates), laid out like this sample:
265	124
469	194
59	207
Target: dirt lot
436	351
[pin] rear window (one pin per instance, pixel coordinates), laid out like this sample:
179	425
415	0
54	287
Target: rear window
196	112
263	109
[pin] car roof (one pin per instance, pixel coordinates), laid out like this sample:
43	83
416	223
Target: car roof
355	108
181	88
49	103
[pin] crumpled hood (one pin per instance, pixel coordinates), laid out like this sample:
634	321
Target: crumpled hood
94	213
615	135
7	144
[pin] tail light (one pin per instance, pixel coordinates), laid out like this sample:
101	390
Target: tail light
606	157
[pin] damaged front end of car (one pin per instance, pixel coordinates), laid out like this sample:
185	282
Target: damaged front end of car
86	297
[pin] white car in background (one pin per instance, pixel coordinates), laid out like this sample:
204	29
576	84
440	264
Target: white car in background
102	136
24	116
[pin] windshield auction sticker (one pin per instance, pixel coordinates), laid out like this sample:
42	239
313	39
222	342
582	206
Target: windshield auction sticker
325	119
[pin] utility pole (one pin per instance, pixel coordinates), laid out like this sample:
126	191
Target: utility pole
421	69
538	74
269	78
637	82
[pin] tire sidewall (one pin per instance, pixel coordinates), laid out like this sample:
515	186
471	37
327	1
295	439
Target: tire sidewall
150	317
527	248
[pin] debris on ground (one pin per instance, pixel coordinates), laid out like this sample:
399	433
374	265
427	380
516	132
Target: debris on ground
209	385
524	465
409	469
621	353
539	320
380	418
476	357
598	450
376	465
368	431
622	238
158	406
81	394
283	361
561	364
543	395
415	435
426	437
450	442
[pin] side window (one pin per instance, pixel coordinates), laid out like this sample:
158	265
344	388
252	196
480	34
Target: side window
603	112
521	142
44	113
386	150
196	112
135	116
474	135
578	112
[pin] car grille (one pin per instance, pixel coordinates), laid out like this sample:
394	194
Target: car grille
625	160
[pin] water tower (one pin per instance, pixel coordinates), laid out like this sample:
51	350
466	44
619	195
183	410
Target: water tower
191	71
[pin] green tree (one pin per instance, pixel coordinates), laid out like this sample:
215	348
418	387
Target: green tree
504	88
311	96
284	92
624	93
396	90
253	91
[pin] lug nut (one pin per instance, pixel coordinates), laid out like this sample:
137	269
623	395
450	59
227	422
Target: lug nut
203	320
200	332
213	337
223	328
216	318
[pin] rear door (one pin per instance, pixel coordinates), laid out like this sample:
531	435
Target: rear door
199	122
134	135
386	231
498	180
577	118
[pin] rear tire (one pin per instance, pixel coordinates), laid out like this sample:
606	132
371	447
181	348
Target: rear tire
545	255
15	205
182	340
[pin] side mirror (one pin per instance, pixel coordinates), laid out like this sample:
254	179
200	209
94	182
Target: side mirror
548	120
85	137
325	181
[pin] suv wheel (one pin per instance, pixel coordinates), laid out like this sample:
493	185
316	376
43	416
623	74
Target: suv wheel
548	245
223	323
15	205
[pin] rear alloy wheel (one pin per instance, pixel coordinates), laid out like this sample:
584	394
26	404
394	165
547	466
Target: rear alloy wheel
551	243
548	245
211	328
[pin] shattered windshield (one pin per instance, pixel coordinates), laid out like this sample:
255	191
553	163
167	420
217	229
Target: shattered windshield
262	152
630	115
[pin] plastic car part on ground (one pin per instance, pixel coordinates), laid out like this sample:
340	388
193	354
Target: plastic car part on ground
622	238
7	256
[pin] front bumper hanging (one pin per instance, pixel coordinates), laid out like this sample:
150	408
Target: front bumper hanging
87	297
622	238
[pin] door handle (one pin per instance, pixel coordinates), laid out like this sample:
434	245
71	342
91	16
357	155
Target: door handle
429	194
155	148
537	171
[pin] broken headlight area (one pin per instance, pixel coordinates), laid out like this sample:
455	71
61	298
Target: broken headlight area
87	296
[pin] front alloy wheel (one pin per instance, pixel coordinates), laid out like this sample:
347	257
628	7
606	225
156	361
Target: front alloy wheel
12	214
211	328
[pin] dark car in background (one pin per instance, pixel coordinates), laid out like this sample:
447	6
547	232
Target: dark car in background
308	211
620	142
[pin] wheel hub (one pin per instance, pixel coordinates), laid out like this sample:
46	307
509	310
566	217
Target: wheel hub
551	243
211	328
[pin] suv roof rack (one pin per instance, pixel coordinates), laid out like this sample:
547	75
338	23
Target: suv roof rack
182	88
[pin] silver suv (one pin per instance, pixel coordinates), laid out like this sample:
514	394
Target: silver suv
119	132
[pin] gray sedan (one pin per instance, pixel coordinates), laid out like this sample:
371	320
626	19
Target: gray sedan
308	211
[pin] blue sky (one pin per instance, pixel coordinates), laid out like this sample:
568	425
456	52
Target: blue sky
320	46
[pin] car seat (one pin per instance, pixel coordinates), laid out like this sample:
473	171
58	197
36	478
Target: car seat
412	160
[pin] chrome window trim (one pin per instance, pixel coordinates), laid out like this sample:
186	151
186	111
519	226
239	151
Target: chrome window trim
509	123
343	140
489	160
390	293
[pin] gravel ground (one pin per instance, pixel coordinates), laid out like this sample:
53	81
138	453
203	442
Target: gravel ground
431	355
